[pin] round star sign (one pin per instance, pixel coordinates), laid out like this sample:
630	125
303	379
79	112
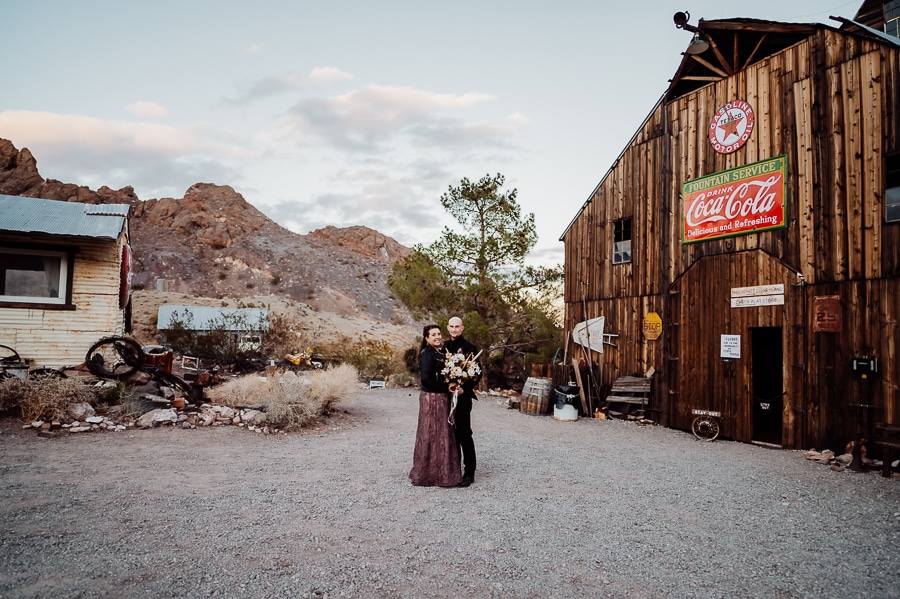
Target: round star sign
731	126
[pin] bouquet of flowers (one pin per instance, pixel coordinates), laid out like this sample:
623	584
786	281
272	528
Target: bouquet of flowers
459	368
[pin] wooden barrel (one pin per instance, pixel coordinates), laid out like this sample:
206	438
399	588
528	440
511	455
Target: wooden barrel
536	395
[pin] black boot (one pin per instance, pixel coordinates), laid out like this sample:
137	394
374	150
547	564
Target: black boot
467	480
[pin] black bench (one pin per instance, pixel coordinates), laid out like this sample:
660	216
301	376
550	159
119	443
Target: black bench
887	437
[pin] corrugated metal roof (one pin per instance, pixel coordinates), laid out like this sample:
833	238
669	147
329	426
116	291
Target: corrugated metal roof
35	215
203	318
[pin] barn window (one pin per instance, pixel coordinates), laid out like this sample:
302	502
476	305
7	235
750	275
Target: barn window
34	276
892	18
892	189
622	241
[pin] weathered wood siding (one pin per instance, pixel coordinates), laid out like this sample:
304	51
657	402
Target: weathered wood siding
56	338
830	104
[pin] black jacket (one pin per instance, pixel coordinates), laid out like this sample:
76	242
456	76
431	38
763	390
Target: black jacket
464	346
431	362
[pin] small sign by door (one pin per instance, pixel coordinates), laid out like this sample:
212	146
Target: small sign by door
827	314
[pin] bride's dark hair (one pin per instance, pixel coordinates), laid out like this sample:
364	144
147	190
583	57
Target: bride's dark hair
425	330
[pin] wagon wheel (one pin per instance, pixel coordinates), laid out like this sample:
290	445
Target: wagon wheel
115	357
8	355
705	428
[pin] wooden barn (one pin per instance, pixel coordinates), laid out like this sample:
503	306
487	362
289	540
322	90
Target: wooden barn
65	271
745	246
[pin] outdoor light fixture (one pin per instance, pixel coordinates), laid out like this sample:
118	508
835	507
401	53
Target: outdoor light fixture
698	45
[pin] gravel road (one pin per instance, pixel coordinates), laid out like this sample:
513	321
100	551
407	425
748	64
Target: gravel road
559	509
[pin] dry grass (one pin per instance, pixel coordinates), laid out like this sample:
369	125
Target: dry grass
43	399
291	401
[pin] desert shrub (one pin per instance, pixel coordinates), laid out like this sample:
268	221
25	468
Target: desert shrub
405	379
11	392
411	359
121	393
43	399
291	401
370	357
283	335
329	386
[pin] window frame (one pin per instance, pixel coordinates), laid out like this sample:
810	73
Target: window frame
892	18
67	264
623	236
892	184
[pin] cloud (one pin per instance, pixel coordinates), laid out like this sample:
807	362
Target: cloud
254	49
416	222
98	135
147	110
400	200
518	119
281	84
365	118
326	75
548	254
157	160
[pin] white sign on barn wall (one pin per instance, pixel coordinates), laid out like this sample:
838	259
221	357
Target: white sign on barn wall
730	346
760	295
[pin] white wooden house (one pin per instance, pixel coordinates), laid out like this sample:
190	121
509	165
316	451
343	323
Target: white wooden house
65	270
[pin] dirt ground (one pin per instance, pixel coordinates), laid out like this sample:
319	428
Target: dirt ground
559	509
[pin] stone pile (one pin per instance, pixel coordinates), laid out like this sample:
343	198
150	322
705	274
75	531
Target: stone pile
83	419
207	415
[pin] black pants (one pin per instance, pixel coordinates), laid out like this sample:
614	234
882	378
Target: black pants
463	419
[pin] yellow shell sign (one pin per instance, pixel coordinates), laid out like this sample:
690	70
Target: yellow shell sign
652	326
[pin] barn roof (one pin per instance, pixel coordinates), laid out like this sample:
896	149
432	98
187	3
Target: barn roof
34	215
735	44
205	318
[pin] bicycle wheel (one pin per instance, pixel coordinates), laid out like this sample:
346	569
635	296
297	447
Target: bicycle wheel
705	428
115	357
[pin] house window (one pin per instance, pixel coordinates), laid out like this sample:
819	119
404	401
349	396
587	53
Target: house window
622	241
31	276
892	189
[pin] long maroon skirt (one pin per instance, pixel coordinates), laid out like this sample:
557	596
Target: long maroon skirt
435	457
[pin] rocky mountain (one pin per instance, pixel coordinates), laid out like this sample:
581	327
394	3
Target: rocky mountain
213	244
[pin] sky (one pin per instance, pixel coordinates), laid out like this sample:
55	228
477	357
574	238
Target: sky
349	112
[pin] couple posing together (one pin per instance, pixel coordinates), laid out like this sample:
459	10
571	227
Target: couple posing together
441	447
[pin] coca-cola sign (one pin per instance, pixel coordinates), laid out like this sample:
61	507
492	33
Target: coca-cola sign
746	199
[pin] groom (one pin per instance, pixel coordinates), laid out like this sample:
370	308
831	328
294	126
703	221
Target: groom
463	415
